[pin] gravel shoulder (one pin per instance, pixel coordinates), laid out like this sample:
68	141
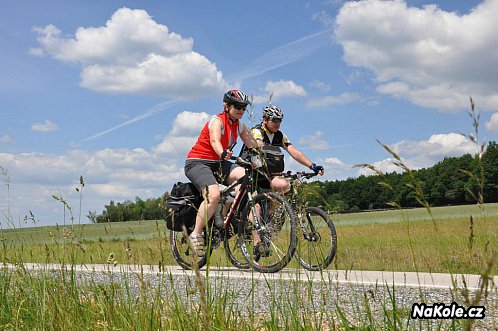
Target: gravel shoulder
356	292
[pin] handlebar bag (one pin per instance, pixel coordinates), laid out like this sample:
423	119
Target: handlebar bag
274	159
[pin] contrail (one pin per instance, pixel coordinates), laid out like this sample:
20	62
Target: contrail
276	58
148	113
285	54
330	146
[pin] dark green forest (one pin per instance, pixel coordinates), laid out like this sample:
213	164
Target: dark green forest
452	181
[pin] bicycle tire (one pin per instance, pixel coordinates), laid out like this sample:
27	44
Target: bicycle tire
232	247
182	252
278	233
317	243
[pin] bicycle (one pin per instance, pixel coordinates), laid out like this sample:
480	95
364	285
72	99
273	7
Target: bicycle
267	232
241	209
317	242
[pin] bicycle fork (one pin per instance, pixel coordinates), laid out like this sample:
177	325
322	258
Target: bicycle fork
310	235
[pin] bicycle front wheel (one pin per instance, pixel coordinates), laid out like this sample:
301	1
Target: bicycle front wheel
182	253
232	247
270	247
317	240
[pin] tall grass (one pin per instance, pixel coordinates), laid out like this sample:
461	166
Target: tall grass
489	255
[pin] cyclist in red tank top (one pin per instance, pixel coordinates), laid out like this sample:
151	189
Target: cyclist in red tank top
207	162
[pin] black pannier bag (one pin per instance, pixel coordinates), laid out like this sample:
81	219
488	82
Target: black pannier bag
274	159
181	206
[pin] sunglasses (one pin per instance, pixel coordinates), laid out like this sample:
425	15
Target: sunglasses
276	120
239	107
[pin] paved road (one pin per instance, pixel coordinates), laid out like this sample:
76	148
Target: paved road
408	279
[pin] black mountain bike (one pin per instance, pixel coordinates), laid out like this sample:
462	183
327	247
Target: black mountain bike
243	217
317	240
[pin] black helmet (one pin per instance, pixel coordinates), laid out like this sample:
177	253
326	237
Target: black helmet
236	97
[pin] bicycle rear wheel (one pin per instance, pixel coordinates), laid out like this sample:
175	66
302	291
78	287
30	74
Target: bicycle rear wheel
271	247
182	253
317	239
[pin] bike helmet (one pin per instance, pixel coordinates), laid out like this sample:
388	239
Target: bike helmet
236	97
273	112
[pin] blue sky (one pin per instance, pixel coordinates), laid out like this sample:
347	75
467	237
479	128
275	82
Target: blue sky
117	91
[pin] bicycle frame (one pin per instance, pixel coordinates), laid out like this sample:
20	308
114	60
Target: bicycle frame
246	185
215	235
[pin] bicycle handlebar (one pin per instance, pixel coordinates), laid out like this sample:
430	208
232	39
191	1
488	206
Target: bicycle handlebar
299	174
242	162
288	174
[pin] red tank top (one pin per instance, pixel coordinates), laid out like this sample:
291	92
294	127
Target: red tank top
203	149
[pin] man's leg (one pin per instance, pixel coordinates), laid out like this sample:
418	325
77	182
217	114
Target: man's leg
280	185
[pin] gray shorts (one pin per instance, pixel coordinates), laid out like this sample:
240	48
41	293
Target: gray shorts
203	173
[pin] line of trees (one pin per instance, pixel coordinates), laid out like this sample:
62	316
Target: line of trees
150	209
446	183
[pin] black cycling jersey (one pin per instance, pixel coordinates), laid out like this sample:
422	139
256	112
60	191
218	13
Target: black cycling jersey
259	132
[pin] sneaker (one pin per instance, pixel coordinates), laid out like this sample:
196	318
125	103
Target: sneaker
278	218
261	250
197	241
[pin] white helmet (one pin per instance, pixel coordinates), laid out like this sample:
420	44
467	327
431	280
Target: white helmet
273	112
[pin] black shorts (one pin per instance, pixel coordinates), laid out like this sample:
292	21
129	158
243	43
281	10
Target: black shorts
203	173
261	181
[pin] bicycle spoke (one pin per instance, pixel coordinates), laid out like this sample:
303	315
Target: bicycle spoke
232	248
182	253
317	239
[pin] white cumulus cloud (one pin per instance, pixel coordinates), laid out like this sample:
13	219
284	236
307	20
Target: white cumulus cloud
133	54
451	144
183	134
428	56
109	174
331	100
46	126
425	153
284	89
335	169
6	139
492	124
315	141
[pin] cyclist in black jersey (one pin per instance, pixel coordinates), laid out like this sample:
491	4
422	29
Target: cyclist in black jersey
268	132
